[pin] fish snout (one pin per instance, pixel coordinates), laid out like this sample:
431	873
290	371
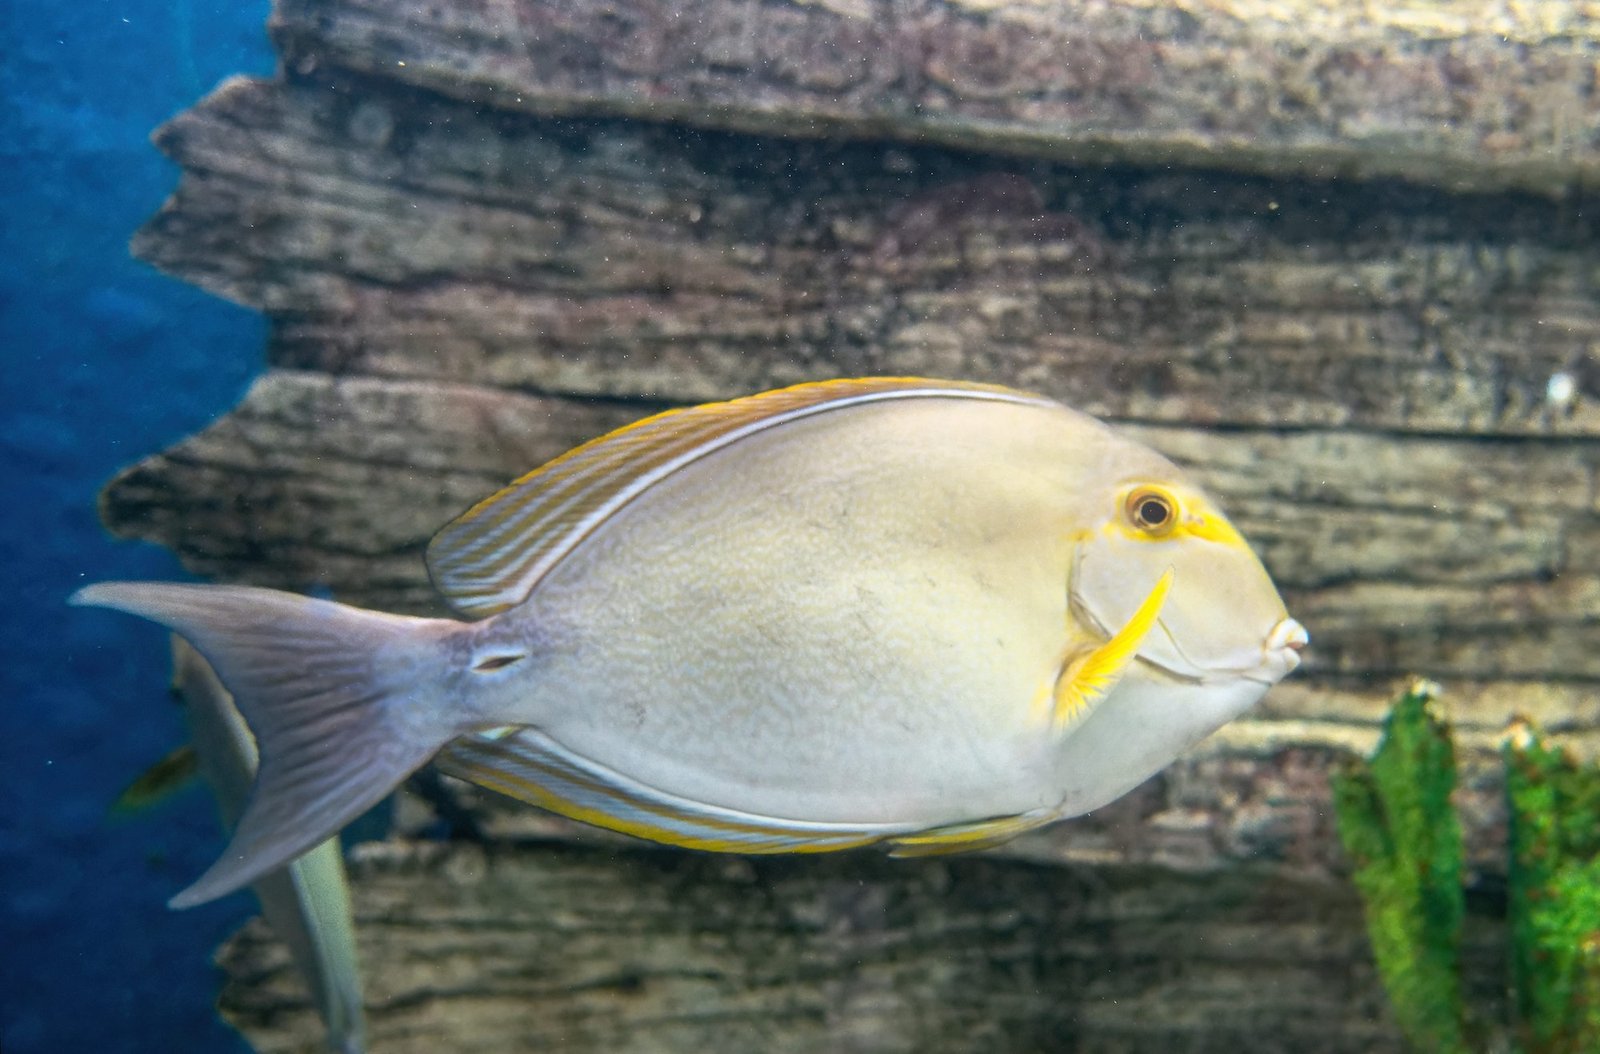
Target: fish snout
1281	649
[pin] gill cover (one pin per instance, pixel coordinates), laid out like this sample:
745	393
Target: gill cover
1222	606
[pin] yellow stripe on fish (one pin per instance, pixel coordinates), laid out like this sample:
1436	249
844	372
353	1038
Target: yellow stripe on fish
1086	680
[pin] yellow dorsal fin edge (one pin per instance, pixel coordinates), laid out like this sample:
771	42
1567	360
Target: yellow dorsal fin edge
1086	681
490	557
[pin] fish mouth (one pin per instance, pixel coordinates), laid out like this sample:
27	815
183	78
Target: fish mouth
1280	652
1288	636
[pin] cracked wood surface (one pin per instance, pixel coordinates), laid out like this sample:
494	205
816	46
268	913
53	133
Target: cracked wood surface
477	244
539	946
390	233
1465	94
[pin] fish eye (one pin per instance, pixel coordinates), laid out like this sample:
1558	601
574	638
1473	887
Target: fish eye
1151	511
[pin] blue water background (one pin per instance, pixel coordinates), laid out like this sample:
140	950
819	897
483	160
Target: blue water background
105	361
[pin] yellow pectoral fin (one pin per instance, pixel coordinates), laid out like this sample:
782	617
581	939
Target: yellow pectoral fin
1086	681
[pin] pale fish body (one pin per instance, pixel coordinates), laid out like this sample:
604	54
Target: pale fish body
921	613
307	902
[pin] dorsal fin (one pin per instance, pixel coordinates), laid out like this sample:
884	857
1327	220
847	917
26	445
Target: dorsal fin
489	558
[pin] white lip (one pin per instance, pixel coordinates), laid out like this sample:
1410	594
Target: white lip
1288	634
1280	652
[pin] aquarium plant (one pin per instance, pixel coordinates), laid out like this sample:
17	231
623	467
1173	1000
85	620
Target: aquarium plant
1404	840
1554	894
1403	837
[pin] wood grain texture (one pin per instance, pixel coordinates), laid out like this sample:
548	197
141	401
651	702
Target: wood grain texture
1467	94
541	946
1336	259
393	233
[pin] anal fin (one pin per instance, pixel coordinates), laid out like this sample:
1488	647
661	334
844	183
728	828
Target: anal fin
967	837
525	764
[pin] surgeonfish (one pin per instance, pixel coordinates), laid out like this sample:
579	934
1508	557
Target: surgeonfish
306	902
926	614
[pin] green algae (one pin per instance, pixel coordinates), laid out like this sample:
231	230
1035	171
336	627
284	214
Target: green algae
1400	831
1404	840
1553	905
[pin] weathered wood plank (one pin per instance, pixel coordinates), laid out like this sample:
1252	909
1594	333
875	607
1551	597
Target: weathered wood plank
1465	94
483	232
400	234
545	947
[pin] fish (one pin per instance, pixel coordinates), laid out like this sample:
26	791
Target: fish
922	614
307	901
159	782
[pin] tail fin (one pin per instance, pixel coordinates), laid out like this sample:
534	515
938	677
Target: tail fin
307	903
344	705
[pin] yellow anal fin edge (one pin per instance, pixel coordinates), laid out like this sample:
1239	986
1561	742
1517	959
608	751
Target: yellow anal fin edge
968	837
524	764
1085	681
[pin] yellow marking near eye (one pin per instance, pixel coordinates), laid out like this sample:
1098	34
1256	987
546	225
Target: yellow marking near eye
1207	527
1213	529
1086	681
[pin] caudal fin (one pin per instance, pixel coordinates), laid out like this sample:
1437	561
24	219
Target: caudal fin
344	704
